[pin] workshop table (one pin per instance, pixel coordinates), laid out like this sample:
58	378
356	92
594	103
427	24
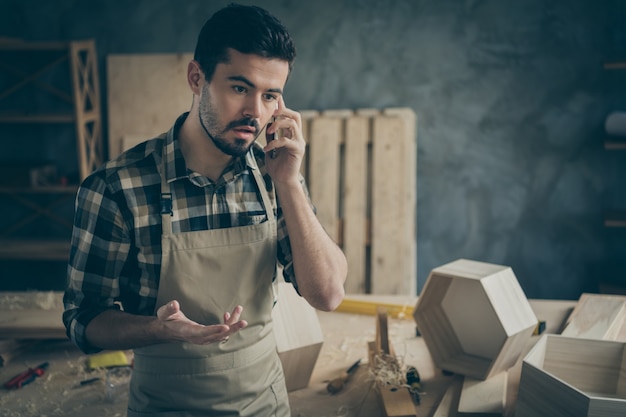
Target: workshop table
59	393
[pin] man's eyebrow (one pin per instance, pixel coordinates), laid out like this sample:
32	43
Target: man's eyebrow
250	84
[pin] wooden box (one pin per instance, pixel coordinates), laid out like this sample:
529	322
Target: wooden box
573	377
474	318
298	334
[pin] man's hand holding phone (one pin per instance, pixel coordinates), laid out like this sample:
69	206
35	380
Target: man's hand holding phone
285	144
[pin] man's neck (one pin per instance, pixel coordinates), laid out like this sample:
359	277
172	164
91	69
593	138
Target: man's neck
200	153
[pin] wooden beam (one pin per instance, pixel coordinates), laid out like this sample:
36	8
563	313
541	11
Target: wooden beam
396	401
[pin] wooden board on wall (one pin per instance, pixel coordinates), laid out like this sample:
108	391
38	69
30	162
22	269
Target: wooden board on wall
360	166
146	93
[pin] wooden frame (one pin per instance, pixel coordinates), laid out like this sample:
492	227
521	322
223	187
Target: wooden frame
75	94
474	318
572	377
84	96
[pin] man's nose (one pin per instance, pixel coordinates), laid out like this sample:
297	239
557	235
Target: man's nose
253	107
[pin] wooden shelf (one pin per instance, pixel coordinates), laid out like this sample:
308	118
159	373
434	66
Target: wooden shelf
42	249
82	94
20	45
615	219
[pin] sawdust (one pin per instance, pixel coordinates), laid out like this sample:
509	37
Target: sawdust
388	370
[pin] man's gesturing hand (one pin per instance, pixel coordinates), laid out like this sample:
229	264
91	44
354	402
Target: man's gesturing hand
184	329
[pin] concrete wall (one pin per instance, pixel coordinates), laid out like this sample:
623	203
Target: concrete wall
510	97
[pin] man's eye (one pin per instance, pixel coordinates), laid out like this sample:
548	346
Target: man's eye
270	97
239	89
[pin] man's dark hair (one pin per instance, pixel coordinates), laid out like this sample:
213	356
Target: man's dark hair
247	29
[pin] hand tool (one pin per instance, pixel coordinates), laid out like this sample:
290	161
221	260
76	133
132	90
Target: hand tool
26	377
413	380
337	384
394	310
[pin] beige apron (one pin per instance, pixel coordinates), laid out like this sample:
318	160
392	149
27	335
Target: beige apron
209	273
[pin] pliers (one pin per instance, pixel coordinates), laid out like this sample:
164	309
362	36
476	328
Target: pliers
26	377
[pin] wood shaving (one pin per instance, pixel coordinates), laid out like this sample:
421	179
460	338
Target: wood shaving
387	370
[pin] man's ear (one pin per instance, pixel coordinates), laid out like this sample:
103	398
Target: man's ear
195	77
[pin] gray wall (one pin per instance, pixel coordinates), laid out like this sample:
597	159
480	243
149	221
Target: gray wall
510	97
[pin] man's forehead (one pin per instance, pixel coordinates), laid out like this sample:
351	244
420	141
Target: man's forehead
255	70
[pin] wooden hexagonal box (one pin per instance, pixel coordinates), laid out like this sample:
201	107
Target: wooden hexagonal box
474	318
573	377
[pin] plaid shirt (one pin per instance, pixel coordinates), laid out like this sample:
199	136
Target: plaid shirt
115	256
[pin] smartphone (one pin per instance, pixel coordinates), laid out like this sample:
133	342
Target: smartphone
270	137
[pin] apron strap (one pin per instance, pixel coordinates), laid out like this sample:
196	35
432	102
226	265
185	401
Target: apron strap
166	200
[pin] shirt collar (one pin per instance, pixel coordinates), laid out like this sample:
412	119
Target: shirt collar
175	166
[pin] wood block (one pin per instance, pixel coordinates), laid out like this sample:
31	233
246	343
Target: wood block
326	136
486	398
598	316
474	318
572	377
298	335
355	234
396	401
393	207
146	93
449	403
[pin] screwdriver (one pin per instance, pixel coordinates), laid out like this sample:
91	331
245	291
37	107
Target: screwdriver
337	384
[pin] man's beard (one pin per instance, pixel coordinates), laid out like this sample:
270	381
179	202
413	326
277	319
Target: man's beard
210	124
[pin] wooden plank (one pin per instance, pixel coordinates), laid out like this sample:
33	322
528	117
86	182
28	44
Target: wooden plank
449	403
307	120
598	316
396	401
485	398
325	139
31	315
57	250
86	91
393	212
146	93
32	324
355	199
409	202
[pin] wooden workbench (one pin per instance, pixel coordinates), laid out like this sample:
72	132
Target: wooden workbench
58	392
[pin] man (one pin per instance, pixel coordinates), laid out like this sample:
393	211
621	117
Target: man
176	241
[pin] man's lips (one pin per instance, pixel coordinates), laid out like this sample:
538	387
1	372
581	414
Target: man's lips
245	131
